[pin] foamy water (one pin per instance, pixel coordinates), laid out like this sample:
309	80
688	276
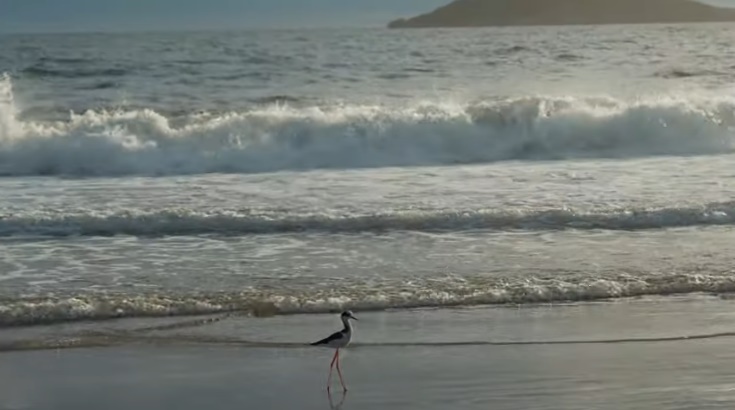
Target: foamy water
287	172
276	138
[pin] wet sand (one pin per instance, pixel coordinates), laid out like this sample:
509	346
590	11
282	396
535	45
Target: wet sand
638	357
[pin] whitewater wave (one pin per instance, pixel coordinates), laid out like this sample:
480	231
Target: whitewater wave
282	137
171	222
455	292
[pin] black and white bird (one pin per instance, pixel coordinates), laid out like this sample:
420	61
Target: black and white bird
337	341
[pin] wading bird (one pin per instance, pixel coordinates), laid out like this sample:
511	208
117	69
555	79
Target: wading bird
337	341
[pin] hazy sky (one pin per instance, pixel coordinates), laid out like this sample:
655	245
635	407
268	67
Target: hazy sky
83	15
93	15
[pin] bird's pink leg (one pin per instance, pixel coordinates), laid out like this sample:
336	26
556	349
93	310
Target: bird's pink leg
339	372
331	365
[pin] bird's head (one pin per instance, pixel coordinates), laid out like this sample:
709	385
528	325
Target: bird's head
347	314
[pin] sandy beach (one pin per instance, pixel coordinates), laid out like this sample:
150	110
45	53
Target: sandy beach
664	353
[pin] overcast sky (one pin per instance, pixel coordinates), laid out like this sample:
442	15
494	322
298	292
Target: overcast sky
129	15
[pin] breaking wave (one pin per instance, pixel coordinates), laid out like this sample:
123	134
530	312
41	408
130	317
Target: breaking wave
173	222
282	137
454	292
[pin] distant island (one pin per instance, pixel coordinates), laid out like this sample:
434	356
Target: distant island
479	13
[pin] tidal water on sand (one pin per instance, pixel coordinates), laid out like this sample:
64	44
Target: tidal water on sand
243	175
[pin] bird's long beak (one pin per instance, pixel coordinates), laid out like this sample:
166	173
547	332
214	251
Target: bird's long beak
354	318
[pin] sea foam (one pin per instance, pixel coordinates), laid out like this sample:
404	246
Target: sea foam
172	222
465	292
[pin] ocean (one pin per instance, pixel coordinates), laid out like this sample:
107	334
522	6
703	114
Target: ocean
281	172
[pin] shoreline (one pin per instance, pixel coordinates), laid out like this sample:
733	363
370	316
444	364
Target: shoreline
420	359
227	329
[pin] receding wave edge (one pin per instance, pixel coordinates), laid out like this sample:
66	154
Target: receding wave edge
465	292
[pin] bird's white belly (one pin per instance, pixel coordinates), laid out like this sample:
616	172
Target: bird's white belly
341	342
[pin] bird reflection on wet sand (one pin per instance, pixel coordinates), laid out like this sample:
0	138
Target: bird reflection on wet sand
339	405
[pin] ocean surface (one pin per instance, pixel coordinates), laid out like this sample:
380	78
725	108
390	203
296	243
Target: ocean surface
278	172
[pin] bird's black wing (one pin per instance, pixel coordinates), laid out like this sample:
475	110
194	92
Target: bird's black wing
332	337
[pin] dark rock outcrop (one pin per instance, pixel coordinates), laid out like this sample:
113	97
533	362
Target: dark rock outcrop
478	13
